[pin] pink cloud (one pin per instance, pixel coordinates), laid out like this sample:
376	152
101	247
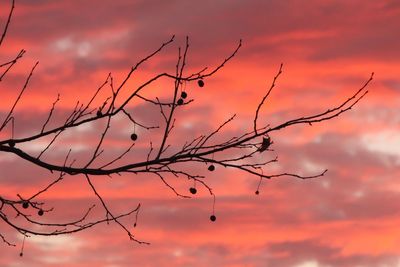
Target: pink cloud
348	217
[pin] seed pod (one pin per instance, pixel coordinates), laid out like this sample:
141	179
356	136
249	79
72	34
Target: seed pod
193	190
211	168
134	137
200	83
25	204
213	218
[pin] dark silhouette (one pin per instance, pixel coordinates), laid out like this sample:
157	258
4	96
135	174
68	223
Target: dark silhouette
160	161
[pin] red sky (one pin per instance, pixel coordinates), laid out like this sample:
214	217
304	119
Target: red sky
349	217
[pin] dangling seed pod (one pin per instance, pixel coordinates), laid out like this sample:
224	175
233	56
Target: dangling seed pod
213	218
200	83
257	192
180	101
193	190
40	212
183	95
211	168
134	137
99	113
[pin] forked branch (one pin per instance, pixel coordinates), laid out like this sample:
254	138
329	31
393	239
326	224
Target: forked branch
165	159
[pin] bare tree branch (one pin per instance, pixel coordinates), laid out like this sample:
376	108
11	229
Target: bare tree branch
163	158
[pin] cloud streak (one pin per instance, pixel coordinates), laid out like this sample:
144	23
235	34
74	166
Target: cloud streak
349	217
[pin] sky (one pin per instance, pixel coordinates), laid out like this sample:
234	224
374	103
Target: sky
348	217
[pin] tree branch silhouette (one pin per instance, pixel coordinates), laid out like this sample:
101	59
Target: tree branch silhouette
161	159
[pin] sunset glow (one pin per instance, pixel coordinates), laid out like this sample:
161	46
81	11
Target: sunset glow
348	217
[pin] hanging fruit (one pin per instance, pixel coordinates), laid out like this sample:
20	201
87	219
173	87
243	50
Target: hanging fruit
134	137
200	83
40	212
211	168
193	190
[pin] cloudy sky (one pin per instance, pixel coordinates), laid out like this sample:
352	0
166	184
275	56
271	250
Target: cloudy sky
329	49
